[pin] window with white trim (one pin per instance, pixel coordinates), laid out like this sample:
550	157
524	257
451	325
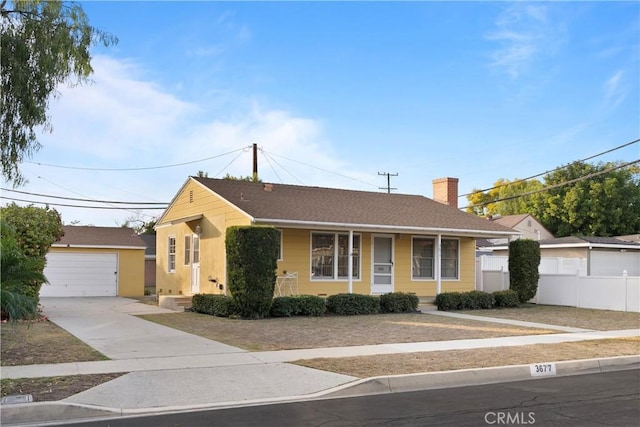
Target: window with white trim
449	258
187	249
196	249
422	258
325	252
171	259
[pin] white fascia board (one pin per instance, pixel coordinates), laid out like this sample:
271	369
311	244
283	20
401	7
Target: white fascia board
382	228
575	245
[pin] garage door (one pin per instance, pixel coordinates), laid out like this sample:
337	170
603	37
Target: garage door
80	275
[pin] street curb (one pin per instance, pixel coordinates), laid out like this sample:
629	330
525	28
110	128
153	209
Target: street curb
43	413
478	376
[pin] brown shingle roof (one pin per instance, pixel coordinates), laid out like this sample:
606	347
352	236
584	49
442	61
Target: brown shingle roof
100	236
319	205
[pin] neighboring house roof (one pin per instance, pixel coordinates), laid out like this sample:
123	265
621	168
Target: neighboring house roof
89	236
509	220
150	242
583	241
630	238
281	204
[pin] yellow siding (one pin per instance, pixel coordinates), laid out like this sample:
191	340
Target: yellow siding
217	217
130	268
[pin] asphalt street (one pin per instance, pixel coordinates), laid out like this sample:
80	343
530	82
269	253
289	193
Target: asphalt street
604	399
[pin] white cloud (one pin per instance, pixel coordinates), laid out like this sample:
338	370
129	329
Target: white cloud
125	121
524	33
613	90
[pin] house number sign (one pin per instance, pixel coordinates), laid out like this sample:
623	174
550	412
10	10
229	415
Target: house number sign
543	369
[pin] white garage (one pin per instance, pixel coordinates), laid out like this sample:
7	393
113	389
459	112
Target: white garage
81	275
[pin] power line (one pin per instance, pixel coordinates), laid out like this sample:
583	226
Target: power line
553	170
135	169
551	187
129	208
388	175
84	200
323	170
269	158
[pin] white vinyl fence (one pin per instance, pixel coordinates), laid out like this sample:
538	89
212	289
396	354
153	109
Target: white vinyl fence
600	292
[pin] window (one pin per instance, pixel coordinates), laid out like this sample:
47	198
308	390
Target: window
171	261
196	249
423	258
325	252
423	254
449	259
187	250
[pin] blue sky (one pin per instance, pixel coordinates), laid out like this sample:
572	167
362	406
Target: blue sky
335	92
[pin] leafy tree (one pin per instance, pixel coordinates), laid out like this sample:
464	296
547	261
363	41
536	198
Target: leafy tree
18	273
524	259
44	44
36	229
599	200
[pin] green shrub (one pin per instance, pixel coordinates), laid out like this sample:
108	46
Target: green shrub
284	307
310	305
480	300
508	298
353	304
398	302
215	305
299	305
524	259
448	301
252	254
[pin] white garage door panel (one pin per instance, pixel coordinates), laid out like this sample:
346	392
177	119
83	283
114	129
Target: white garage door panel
81	275
614	263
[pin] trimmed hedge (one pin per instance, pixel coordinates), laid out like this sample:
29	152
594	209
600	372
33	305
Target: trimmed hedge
252	254
524	259
215	305
299	305
398	302
353	304
508	298
472	300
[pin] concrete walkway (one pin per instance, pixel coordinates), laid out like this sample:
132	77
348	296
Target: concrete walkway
173	369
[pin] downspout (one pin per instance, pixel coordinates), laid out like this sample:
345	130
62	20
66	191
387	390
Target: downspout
350	266
438	265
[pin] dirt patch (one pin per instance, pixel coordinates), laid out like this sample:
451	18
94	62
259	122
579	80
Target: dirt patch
600	320
333	331
29	343
410	363
54	388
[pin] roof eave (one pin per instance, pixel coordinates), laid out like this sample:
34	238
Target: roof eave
382	228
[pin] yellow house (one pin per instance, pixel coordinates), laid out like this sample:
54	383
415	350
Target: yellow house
95	261
332	241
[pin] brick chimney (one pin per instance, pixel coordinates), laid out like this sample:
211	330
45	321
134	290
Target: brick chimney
445	190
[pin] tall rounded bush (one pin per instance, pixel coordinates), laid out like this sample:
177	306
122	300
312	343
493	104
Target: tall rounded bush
252	254
524	259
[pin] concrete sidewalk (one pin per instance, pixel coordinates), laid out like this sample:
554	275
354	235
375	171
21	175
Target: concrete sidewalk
173	369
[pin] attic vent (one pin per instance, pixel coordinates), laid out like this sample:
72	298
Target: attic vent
190	196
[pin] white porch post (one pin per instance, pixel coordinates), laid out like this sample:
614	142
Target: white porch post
438	265
350	258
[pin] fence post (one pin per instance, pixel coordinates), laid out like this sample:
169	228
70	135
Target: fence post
625	276
577	282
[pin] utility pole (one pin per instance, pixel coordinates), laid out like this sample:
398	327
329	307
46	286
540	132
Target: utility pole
388	175
255	163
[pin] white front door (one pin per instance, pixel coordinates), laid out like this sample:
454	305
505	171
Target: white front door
195	265
382	265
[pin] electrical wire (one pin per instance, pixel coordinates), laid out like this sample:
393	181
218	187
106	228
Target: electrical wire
271	165
136	169
244	150
323	170
128	209
551	187
85	200
553	170
266	156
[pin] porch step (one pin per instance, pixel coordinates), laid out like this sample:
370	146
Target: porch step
174	302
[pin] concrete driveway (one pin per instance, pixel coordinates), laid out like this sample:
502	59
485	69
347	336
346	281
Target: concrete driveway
109	325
